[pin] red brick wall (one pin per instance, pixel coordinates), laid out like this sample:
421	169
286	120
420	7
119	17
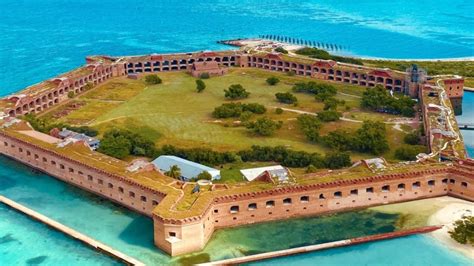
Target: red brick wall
98	182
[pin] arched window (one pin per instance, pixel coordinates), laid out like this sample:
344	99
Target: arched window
234	209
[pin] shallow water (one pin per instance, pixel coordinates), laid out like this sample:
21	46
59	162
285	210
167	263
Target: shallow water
411	250
27	242
43	38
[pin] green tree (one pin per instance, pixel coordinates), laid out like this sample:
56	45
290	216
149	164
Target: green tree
372	138
310	125
204	75
337	160
152	79
115	146
378	99
329	115
174	172
409	152
272	81
200	85
236	91
264	126
463	231
204	175
339	139
286	97
71	94
281	50
278	111
412	138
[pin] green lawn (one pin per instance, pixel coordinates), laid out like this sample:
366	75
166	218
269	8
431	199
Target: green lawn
174	113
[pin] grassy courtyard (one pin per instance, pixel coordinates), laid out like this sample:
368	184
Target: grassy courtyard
174	113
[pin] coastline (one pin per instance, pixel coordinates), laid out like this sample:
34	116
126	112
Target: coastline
456	59
435	211
447	216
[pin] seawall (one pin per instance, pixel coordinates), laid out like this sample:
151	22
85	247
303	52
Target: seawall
334	244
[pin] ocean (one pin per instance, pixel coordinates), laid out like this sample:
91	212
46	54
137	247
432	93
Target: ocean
40	39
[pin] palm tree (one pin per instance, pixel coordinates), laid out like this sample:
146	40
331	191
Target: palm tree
174	172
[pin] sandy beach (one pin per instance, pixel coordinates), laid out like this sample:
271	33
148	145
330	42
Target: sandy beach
454	210
434	211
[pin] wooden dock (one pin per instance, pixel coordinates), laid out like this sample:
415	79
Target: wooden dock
340	243
466	126
71	232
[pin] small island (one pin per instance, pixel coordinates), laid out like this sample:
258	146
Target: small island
214	139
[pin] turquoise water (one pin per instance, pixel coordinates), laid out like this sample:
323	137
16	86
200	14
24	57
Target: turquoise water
40	39
39	244
468	117
412	250
43	38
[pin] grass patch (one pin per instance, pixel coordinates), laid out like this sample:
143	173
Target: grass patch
174	113
463	68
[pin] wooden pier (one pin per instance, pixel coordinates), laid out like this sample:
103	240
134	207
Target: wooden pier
72	233
466	126
340	243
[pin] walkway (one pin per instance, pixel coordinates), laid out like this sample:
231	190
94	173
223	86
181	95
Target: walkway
340	243
71	232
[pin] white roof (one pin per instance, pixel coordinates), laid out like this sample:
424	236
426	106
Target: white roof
188	168
252	173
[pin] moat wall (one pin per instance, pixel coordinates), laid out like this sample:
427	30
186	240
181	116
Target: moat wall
302	201
112	187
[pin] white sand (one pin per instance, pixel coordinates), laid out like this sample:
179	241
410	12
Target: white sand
454	210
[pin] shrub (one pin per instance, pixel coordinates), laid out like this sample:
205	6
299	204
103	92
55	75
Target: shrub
121	143
174	172
281	50
152	79
412	138
321	91
329	115
408	153
339	140
200	85
204	75
310	125
378	99
291	73
245	116
255	108
463	231
279	111
228	110
272	81
71	94
337	160
117	146
200	155
291	158
264	126
372	138
204	175
236	91
321	54
286	97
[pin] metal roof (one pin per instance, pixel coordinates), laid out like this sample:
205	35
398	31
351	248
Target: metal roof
188	168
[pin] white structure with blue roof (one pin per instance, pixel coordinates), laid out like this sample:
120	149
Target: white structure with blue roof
188	168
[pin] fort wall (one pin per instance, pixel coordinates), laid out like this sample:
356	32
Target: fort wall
101	68
118	189
179	237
